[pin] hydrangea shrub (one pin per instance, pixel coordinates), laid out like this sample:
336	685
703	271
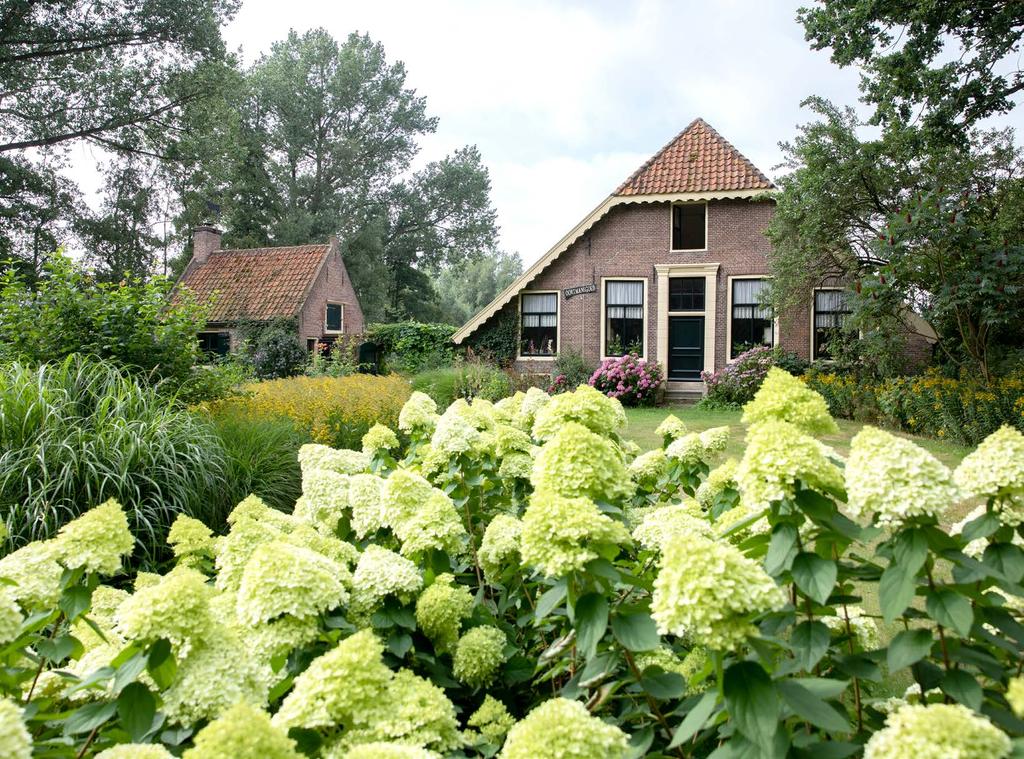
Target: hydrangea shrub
630	379
516	580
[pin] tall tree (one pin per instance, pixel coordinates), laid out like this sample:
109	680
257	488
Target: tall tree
114	74
465	289
951	62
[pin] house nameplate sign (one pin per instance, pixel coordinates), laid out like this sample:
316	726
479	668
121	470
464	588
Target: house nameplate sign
570	292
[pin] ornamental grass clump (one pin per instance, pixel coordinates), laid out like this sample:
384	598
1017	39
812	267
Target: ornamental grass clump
516	580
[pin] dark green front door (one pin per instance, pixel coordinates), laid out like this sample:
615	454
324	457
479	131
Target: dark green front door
685	348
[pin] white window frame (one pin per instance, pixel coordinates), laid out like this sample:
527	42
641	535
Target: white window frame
604	319
558	325
334	331
671	220
814	300
729	358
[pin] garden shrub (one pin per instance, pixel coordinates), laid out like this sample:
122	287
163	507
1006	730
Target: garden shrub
570	371
470	379
128	323
495	583
77	432
964	411
497	341
736	382
330	410
273	349
412	346
630	379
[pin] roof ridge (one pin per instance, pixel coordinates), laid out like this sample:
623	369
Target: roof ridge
739	155
646	164
271	248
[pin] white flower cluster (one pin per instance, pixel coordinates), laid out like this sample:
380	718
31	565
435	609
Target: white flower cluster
996	470
937	731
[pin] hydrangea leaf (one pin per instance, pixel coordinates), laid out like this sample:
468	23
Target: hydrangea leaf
895	591
637	632
810	641
908	647
752	700
814	575
810	707
951	610
961	686
591	622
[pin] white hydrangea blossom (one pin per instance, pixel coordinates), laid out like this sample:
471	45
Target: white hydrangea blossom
564	729
381	573
714	440
648	466
325	496
281	579
863	627
342	461
379	438
95	541
500	545
666	523
937	731
15	741
894	480
688	449
560	535
176	608
455	433
719	479
996	470
671	428
586	406
365	498
35	574
418	415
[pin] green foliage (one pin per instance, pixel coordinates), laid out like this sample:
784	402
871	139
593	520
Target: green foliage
464	289
573	368
272	348
412	346
497	340
78	432
965	411
468	380
911	62
128	322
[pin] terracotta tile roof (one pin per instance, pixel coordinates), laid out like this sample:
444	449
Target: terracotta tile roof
258	283
698	159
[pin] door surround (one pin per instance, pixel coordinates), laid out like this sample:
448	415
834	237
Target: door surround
710	273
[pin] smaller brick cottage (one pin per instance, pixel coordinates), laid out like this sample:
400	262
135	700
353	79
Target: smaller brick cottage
673	265
306	283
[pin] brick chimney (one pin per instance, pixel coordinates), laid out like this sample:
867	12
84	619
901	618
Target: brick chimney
205	240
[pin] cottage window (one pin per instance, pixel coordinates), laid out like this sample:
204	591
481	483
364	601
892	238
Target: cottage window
689	226
686	294
752	322
538	334
214	344
335	317
624	317
831	311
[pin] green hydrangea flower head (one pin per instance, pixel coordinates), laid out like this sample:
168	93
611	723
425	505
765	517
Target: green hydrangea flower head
665	658
665	523
434	524
419	415
364	497
894	480
648	467
35	573
340	460
584	405
509	440
96	541
937	731
777	455
325	543
379	439
560	535
671	428
242	732
343	686
15	741
402	494
863	628
135	751
500	546
785	398
564	729
412	711
283	579
381	573
719	479
232	551
516	466
714	440
689	449
455	432
478	655
996	470
507	410
191	540
709	591
492	720
255	508
102	613
440	610
577	462
325	497
10	615
382	750
1015	696
533	401
177	608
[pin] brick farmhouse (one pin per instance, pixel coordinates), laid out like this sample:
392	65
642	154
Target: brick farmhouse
672	266
306	284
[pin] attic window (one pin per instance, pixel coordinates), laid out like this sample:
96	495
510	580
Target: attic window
689	226
335	317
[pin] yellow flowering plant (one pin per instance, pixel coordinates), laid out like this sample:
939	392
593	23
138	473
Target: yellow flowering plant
514	580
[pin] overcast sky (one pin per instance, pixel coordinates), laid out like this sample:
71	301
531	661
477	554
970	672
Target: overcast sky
566	99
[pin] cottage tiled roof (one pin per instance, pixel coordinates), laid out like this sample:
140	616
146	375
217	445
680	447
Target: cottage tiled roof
257	283
698	159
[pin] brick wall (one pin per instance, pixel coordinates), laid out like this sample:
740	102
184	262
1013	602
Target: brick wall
332	285
629	241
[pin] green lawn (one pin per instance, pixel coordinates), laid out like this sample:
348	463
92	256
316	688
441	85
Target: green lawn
643	421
